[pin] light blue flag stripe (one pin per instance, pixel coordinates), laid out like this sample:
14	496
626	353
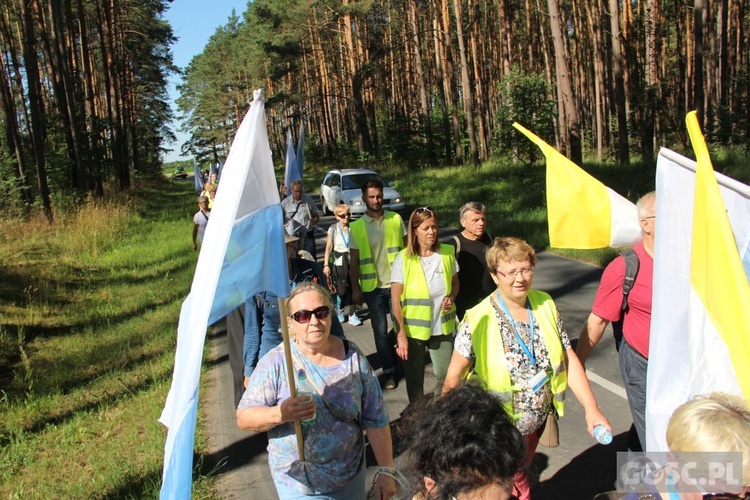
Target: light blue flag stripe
255	254
290	171
178	470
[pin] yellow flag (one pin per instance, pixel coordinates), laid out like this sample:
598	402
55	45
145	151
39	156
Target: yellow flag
581	211
716	272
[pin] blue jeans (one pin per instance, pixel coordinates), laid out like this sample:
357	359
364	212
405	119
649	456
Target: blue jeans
379	304
262	328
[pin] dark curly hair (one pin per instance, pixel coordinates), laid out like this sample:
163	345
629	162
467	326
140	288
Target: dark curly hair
463	441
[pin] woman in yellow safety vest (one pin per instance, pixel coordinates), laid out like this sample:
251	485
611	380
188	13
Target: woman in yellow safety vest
515	344
424	284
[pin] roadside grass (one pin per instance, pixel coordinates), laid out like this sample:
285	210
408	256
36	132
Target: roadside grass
88	316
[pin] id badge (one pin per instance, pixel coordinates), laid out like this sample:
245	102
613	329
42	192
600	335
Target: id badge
538	380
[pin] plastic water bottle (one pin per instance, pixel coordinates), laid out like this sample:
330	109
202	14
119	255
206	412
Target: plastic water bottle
602	434
305	389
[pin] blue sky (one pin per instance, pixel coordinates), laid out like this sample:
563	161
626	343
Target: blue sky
193	23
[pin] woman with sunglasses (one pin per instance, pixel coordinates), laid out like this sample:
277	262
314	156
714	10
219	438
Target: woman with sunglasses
337	246
346	399
424	284
515	343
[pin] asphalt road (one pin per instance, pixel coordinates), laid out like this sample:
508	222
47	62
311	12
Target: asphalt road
578	469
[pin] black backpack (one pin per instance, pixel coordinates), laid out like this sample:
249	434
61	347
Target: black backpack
632	263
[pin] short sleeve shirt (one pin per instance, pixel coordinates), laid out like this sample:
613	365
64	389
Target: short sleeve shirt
636	326
375	228
201	220
432	267
334	445
299	214
532	406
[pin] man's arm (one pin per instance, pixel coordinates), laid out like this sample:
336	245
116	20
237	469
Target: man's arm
590	335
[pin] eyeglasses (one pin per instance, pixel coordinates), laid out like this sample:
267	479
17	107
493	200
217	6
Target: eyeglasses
424	209
511	275
304	316
342	216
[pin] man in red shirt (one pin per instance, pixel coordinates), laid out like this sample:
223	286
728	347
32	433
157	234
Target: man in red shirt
636	326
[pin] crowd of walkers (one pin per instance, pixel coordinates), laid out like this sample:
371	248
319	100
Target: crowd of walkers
500	353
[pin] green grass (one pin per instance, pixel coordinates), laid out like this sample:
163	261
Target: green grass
88	316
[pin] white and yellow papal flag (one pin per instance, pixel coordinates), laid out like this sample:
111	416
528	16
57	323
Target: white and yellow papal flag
581	211
700	325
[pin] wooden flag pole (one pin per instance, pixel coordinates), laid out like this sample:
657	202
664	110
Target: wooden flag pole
290	373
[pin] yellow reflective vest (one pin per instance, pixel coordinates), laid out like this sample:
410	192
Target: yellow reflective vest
415	298
489	351
394	242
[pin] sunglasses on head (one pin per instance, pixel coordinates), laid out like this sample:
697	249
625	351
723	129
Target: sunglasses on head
304	316
424	209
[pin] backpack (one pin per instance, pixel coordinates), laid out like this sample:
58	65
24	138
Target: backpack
632	264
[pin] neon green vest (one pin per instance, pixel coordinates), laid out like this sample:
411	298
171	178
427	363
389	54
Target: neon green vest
415	298
486	338
394	242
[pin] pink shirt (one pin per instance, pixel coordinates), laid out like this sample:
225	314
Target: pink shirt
636	327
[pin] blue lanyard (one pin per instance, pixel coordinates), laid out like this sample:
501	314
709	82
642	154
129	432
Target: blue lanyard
524	347
341	232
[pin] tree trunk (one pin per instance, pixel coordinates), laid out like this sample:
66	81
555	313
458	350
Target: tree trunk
698	95
571	138
623	149
466	84
36	106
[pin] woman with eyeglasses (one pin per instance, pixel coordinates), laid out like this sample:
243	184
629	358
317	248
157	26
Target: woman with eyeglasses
345	400
424	284
515	343
337	268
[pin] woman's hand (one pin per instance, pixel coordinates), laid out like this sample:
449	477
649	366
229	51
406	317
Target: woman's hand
327	270
385	487
447	303
593	418
402	345
297	408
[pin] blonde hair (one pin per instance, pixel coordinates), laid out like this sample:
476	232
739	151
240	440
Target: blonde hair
717	422
341	208
309	286
509	249
416	219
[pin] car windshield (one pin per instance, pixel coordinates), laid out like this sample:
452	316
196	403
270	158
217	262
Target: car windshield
355	181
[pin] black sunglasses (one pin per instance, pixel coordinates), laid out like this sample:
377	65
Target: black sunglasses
426	208
304	316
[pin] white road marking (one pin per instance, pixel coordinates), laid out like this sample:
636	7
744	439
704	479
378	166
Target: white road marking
610	386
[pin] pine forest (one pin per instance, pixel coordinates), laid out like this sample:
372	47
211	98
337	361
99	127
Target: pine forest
83	85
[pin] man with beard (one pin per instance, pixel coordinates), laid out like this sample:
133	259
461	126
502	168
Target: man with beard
376	239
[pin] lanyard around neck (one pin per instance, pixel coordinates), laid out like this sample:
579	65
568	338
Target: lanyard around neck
524	347
341	232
